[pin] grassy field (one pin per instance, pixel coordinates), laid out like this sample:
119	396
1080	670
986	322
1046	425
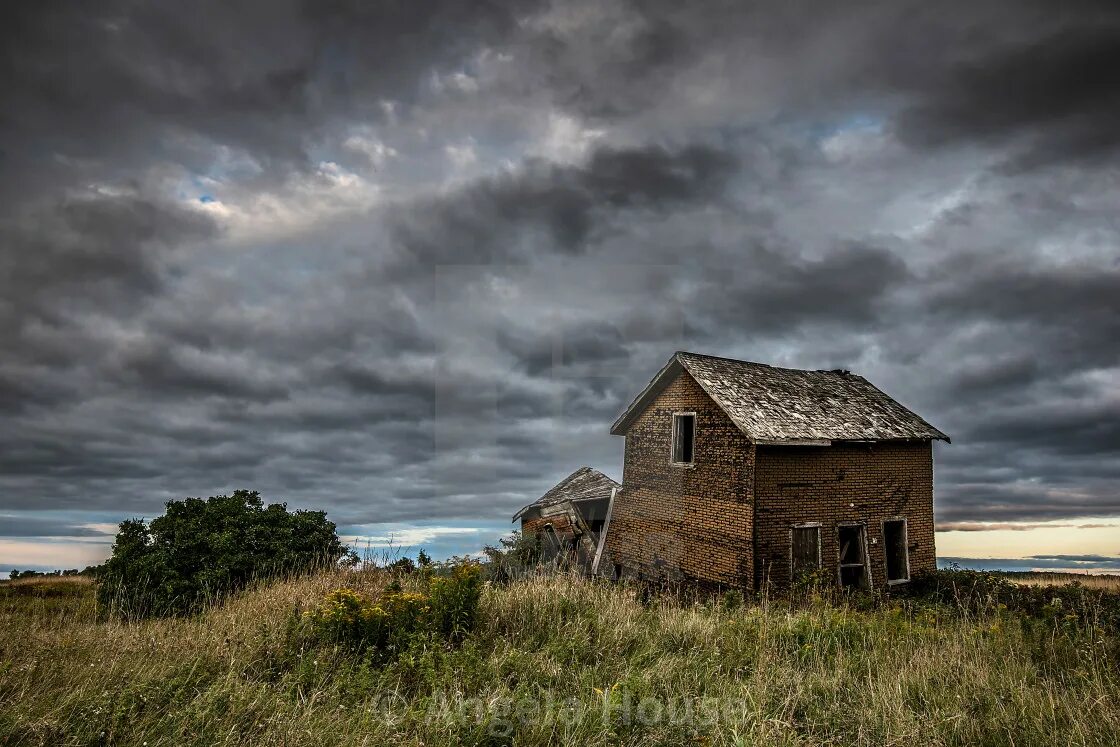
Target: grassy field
1088	580
555	660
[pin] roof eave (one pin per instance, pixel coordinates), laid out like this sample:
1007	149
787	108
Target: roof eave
660	380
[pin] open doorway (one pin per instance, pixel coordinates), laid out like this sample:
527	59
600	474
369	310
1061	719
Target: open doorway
853	557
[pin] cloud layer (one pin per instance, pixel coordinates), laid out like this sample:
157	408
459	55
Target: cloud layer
408	264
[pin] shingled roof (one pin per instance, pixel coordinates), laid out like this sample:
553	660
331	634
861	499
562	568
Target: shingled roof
584	484
773	405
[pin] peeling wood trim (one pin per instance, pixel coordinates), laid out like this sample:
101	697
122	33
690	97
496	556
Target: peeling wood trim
603	534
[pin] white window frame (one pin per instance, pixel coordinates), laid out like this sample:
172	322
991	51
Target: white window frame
673	440
809	525
905	548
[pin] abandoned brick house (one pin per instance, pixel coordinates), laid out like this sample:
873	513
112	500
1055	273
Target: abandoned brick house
744	474
569	519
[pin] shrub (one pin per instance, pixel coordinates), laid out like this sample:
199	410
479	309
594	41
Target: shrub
387	624
392	622
403	566
514	556
981	592
455	599
201	550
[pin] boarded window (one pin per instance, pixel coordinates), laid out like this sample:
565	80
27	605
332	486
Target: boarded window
806	551
684	436
898	555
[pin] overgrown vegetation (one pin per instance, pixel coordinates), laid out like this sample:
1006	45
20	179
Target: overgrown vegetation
398	620
202	550
562	660
516	555
90	571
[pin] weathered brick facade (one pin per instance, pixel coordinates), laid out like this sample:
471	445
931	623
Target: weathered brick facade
842	484
685	521
727	518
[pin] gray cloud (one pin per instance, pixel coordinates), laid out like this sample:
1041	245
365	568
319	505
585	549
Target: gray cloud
972	526
1060	86
24	526
408	264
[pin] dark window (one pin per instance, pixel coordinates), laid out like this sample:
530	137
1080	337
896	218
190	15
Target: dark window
684	435
894	545
806	551
853	565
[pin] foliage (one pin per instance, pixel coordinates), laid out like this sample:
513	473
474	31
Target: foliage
455	599
556	660
402	565
388	624
981	592
90	571
516	555
391	622
201	550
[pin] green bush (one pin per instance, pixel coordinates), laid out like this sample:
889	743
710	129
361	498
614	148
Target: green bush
388	624
201	550
982	592
455	600
392	622
515	556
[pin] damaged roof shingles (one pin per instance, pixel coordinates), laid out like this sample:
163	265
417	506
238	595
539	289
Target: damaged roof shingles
778	405
582	485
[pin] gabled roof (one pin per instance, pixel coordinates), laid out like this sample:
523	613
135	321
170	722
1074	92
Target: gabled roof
585	484
789	406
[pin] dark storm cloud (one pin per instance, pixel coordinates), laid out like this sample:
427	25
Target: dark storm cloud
1061	86
104	248
120	84
556	197
506	217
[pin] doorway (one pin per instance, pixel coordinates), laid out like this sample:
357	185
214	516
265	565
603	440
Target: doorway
853	557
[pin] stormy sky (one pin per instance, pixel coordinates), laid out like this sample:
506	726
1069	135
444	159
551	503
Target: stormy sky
407	261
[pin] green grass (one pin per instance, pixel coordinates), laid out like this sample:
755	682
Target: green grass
555	660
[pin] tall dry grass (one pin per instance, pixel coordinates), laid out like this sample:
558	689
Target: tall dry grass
1088	580
556	660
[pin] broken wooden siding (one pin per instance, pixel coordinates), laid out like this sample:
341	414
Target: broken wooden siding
573	526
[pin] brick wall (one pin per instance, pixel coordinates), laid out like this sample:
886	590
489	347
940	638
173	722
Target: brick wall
685	521
803	484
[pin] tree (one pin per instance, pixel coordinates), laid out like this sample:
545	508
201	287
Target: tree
202	550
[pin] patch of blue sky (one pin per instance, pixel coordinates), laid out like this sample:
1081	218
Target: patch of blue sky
822	129
440	540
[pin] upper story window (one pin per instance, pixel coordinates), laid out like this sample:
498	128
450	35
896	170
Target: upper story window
684	437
